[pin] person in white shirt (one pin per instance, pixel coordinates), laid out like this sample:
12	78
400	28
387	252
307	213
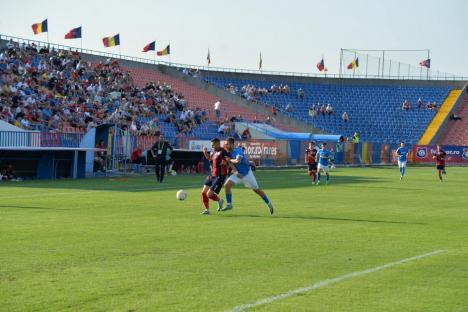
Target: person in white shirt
217	108
345	117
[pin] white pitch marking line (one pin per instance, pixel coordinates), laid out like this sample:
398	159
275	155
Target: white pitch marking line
327	282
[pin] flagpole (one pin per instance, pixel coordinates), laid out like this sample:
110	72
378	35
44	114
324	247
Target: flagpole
428	57
81	39
169	53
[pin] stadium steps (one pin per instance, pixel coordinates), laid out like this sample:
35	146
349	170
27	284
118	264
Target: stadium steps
456	132
195	96
439	118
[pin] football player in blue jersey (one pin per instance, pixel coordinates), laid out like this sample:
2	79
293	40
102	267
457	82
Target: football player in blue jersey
402	153
323	157
243	173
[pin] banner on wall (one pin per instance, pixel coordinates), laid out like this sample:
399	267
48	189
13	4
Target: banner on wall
275	151
455	154
261	149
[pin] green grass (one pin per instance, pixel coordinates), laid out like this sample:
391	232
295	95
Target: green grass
110	245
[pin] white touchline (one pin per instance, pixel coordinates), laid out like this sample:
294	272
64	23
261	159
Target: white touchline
328	282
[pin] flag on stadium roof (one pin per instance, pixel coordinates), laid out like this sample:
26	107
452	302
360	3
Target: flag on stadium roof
426	63
260	63
150	47
321	65
208	58
111	41
354	64
166	51
74	33
40	27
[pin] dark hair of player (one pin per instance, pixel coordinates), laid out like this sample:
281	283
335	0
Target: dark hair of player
215	140
230	140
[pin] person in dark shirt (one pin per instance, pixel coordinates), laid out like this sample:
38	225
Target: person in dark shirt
311	161
214	182
439	156
100	157
159	151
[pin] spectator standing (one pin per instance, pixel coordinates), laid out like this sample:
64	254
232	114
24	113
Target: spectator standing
420	103
356	137
100	157
217	109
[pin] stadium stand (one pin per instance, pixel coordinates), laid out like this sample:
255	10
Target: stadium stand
438	119
375	111
197	97
456	132
62	91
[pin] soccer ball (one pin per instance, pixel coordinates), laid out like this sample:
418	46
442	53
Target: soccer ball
173	173
181	195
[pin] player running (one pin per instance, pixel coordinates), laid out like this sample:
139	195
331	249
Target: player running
242	174
402	153
323	156
214	182
439	156
311	161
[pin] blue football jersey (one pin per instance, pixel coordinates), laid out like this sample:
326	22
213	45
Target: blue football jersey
324	157
243	166
402	152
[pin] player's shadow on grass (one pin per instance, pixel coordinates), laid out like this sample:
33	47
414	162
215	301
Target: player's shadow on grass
321	218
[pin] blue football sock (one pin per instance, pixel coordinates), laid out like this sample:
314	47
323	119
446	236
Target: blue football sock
318	176
403	169
229	198
265	199
328	177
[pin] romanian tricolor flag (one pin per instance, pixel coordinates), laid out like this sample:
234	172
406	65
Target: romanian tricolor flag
354	64
75	33
150	47
166	51
111	41
40	27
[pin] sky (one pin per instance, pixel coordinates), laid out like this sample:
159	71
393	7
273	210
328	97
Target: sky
292	35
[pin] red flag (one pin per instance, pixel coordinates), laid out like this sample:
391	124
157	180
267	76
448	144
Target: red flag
321	65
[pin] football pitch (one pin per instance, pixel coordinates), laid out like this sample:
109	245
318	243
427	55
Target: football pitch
365	242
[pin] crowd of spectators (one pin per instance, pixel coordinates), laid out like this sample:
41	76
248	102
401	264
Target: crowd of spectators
56	90
253	93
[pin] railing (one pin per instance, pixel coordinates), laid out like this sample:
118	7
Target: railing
39	139
226	69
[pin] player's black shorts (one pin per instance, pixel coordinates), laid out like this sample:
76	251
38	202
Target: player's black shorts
313	167
215	183
440	167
